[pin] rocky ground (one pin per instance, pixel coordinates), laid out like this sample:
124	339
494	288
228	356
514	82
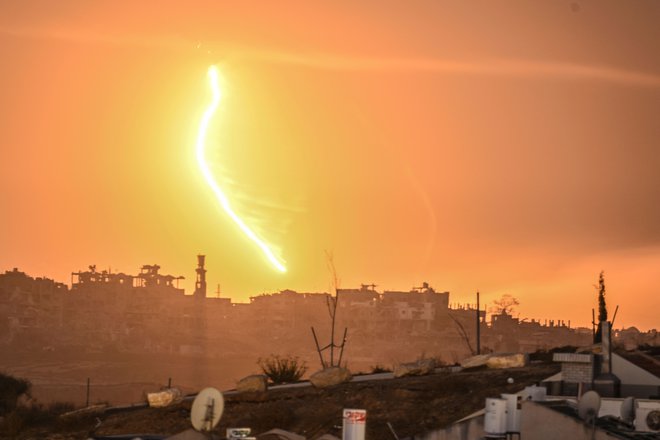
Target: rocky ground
412	405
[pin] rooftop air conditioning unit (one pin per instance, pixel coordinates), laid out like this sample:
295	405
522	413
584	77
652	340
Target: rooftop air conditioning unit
647	420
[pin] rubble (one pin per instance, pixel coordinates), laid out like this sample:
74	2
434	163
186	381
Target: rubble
507	360
494	360
475	361
418	368
412	405
256	383
164	398
136	306
330	376
88	410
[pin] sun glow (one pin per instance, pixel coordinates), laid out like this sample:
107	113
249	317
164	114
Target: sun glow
210	180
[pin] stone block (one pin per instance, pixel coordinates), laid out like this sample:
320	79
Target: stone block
256	383
475	361
507	360
330	376
419	368
164	398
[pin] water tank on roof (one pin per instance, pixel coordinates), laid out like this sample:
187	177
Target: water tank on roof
354	424
513	412
495	418
534	393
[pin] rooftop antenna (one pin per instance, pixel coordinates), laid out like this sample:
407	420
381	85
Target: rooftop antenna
589	406
614	317
207	409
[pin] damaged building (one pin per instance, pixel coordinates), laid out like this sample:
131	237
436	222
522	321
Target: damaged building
149	312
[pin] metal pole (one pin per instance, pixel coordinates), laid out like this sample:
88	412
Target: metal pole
332	331
478	327
389	425
87	403
318	349
614	317
343	342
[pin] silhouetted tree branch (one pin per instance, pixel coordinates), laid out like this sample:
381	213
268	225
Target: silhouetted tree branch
505	305
332	300
463	333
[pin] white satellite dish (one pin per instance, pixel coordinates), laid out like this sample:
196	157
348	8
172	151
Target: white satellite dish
628	410
589	406
207	409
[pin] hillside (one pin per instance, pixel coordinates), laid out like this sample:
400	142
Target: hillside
411	404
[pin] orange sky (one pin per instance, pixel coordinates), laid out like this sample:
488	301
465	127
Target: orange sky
506	147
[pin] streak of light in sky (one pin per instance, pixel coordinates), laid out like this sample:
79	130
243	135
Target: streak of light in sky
208	176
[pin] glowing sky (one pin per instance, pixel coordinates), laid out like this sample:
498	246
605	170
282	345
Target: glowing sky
506	147
211	180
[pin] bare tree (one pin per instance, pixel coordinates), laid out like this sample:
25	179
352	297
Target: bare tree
505	305
332	300
464	334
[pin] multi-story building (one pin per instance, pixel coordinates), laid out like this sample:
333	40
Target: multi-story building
149	312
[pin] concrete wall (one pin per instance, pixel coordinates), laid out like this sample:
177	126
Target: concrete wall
541	423
576	368
538	423
470	429
630	373
577	372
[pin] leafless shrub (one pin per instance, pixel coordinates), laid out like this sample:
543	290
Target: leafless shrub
282	369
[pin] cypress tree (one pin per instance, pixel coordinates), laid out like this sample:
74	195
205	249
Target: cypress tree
602	307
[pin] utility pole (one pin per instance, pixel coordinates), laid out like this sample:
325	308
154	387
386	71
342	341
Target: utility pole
87	400
478	327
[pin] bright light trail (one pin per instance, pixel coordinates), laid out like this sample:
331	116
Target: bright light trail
208	176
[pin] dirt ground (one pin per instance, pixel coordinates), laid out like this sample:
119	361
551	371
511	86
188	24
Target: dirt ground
412	405
119	378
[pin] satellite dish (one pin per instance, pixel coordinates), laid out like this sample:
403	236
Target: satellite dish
589	406
207	409
628	409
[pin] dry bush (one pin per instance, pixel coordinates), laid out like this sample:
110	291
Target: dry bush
11	388
378	368
23	417
281	369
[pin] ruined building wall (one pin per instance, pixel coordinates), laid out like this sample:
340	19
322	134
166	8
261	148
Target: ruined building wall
148	313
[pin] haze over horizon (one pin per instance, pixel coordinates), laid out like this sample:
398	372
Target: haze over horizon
510	148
